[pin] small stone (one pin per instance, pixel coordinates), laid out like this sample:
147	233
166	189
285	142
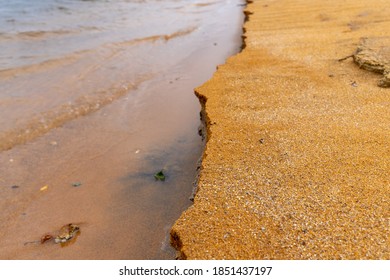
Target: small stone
373	54
385	81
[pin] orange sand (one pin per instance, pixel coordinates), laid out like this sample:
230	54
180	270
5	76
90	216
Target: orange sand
298	154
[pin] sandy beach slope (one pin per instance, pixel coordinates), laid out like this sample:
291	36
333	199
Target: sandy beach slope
298	155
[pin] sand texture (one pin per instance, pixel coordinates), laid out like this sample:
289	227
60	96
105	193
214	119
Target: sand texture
297	159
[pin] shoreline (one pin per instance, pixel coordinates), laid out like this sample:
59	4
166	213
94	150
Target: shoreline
297	143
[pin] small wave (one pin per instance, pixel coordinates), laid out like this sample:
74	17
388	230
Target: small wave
205	4
153	38
71	58
41	34
36	35
108	54
44	122
42	66
179	33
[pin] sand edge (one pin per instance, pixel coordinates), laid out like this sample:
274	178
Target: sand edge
317	187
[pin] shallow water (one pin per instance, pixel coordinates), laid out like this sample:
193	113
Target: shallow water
101	93
62	59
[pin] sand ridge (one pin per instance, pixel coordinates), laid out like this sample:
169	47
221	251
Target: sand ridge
297	159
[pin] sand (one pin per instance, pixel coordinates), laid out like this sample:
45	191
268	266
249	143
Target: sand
297	159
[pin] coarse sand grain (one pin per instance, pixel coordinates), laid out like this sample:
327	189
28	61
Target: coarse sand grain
297	159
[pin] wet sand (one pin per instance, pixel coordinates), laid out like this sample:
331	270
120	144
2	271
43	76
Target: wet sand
96	169
297	159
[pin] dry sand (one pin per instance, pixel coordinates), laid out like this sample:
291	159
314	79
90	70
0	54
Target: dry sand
298	155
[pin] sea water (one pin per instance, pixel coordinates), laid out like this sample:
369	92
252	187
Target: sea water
60	59
100	95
